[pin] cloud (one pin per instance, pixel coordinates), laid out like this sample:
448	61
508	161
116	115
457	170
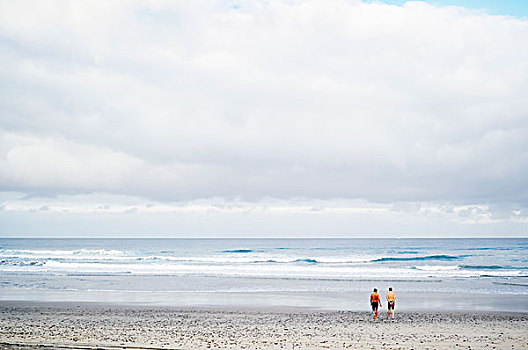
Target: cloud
307	99
105	215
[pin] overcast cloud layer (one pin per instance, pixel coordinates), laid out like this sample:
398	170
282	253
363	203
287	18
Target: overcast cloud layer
263	105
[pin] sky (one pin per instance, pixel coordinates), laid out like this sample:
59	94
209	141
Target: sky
515	8
276	118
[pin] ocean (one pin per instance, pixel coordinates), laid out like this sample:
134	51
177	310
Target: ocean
489	274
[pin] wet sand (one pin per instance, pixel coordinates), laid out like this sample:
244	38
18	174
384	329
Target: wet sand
92	326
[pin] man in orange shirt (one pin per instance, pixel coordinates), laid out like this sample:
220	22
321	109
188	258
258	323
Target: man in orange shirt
391	300
375	301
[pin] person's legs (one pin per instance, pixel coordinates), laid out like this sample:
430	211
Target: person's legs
390	303
374	310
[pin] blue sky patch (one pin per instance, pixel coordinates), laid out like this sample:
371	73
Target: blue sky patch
516	8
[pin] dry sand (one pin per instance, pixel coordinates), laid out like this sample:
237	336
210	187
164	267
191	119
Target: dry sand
69	325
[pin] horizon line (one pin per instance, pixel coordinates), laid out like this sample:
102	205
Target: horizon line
270	238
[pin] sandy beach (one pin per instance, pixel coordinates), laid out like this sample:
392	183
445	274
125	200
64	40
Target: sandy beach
90	326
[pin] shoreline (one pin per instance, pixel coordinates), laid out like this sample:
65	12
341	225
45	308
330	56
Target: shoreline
232	308
119	326
310	300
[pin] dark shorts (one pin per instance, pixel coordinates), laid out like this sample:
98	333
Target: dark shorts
390	305
374	306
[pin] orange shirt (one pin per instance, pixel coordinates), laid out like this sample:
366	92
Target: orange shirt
374	298
391	296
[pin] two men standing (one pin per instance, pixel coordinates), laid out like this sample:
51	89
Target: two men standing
375	301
